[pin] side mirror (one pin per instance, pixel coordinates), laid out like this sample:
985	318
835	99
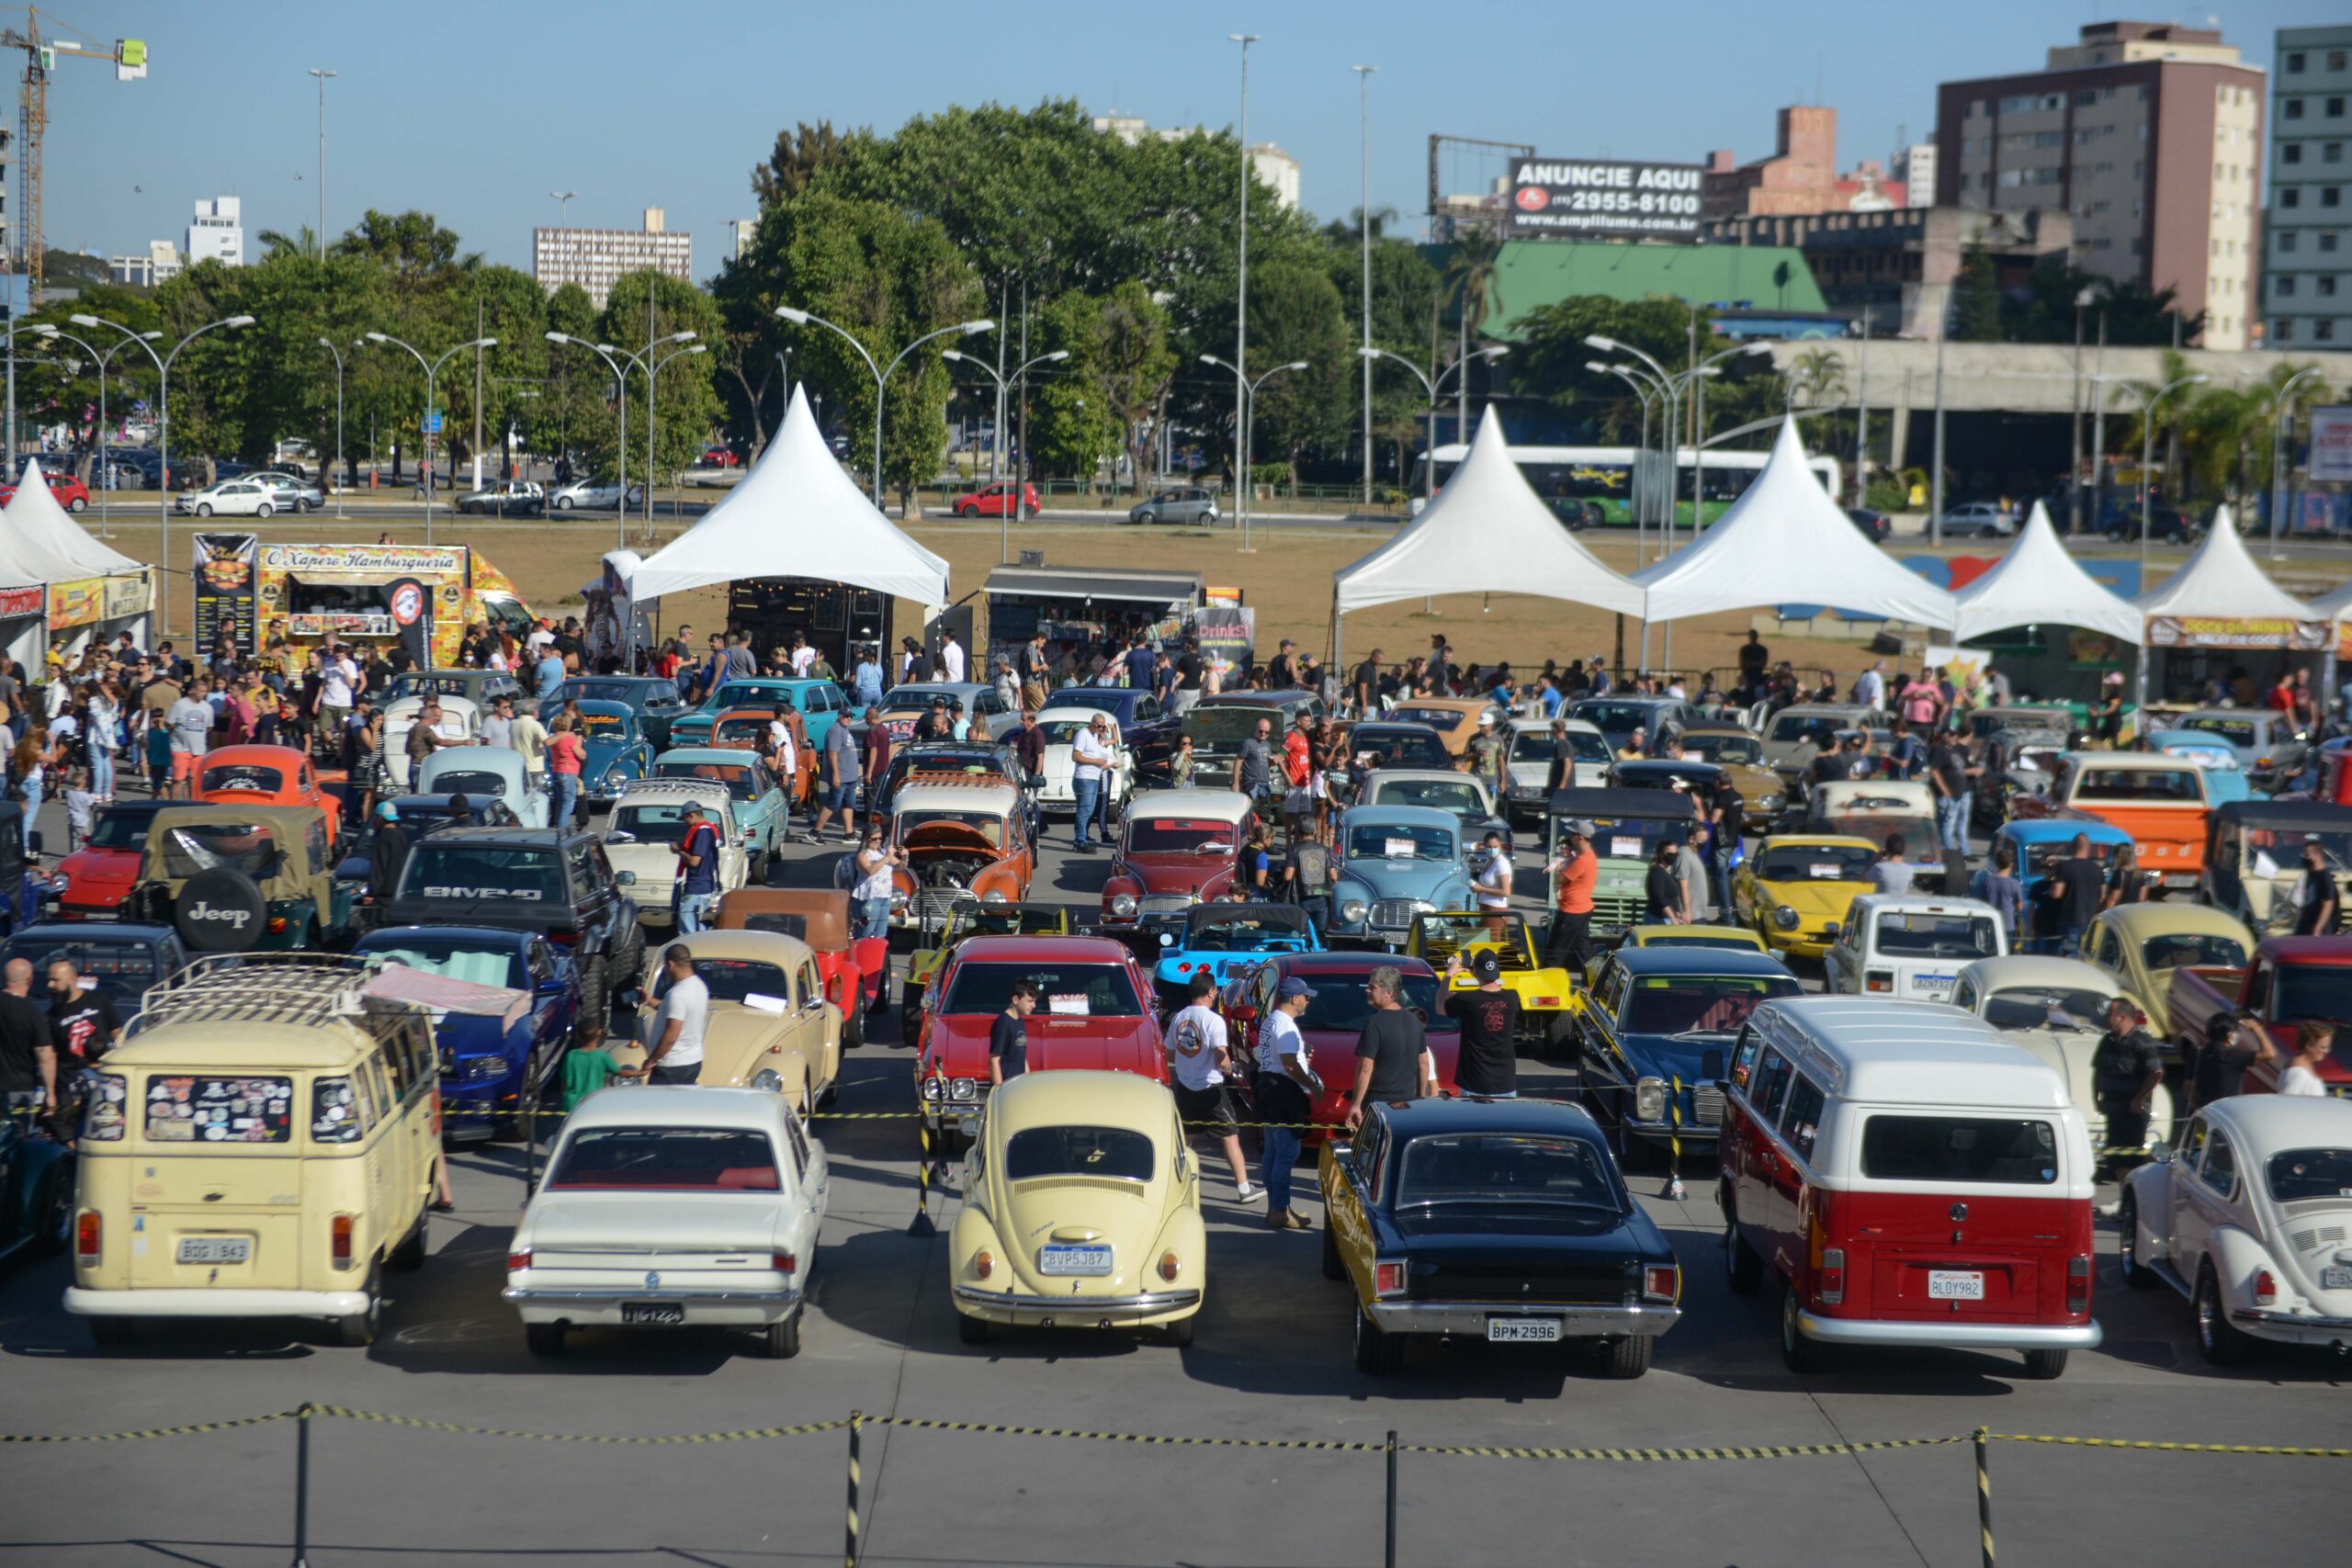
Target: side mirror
1833	931
626	878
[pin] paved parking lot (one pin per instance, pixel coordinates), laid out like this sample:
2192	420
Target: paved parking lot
1271	1361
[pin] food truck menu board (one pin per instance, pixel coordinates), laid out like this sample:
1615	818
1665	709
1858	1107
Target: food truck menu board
225	571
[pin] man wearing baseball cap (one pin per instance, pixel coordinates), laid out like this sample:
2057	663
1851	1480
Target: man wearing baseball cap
1286	1085
1575	871
1489	1018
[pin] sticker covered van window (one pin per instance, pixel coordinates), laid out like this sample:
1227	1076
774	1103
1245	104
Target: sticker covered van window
210	1110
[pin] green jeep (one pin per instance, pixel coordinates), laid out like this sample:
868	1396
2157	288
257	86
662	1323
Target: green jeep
242	879
1630	824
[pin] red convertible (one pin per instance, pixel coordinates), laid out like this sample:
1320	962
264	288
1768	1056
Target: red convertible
1334	1018
1177	848
1093	1010
854	974
91	883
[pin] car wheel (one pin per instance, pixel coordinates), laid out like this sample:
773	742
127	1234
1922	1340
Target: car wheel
543	1338
757	873
971	1330
2044	1366
1333	1268
1625	1359
596	1002
1559	1034
203	509
76	504
2219	1340
1742	1267
1799	1353
410	1253
563	504
967	511
263	510
2136	1274
909	1012
781	1341
1632	1153
359	1328
1377	1353
1147	518
853	1027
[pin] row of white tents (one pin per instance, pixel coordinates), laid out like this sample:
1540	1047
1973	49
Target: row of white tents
1783	541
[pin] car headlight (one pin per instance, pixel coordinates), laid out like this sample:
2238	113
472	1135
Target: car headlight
933	1089
59	882
1353	911
482	1069
767	1078
965	1088
992	896
1771	802
1649	1100
1122	904
897	899
1424	906
1785	918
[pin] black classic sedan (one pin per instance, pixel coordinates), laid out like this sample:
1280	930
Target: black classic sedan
1493	1219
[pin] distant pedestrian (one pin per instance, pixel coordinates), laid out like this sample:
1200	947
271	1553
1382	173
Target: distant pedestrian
1662	890
675	1053
2126	1067
1488	1015
1577	872
1393	1060
1009	1034
1286	1086
698	850
1997	884
2314	1044
1891	873
1200	1059
869	892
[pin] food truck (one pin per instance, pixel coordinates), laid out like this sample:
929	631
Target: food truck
425	596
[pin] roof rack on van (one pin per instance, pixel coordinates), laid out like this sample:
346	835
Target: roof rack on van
307	990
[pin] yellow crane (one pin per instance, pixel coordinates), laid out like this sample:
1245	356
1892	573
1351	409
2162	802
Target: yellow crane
129	58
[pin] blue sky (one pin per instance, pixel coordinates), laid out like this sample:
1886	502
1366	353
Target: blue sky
475	111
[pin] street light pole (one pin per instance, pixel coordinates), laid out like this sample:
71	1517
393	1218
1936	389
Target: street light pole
105	468
1243	489
1248	391
2283	422
1006	505
651	371
604	352
1642	391
1363	225
329	346
432	370
164	450
799	318
1430	384
322	76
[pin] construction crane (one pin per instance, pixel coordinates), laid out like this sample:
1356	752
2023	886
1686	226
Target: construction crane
129	58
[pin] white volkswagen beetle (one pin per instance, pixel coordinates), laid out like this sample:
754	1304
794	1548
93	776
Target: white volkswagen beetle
460	725
1061	725
2251	1220
2056	1008
671	1207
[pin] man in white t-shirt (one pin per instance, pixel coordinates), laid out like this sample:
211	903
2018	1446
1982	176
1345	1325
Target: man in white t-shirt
1091	763
675	1053
1286	1088
1493	884
1199	1056
951	657
338	687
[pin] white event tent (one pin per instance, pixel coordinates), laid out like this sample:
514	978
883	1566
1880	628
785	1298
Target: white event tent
42	544
2336	606
32	515
796	513
2039	583
1487	532
1784	541
2219	581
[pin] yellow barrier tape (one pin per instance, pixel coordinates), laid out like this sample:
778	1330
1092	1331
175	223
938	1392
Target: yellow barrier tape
748	1433
1150	1438
2265	1449
188	1430
1624	1456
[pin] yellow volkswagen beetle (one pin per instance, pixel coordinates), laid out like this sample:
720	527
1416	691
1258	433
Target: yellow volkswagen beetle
1082	1210
1796	886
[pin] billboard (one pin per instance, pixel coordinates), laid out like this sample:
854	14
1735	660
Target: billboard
1585	199
2331	456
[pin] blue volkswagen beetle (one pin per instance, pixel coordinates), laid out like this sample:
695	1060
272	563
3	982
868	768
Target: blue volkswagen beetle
821	703
2039	840
1222	940
617	750
486	1065
2225	779
1396	861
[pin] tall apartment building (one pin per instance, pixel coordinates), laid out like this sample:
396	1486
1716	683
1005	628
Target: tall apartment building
2149	134
1914	169
597	258
217	233
161	260
2308	232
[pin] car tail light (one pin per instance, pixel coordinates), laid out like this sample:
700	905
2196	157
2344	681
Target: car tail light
277	923
784	1262
2266	1288
2078	1282
983	1263
519	1260
87	1235
1547	1001
1662	1283
339	1241
1878	980
1388	1278
1169	1267
1829	1278
568	939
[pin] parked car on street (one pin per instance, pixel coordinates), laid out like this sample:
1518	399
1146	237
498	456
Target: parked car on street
2056	1008
291	492
229	498
1875	526
1910	947
70	493
1653	1041
495	1072
2141	945
591	495
1979	519
996	501
768	1025
1394	863
506	498
1186	505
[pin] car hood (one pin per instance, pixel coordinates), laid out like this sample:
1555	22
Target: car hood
1401	879
1823	900
655	1222
960	1043
1667	1056
603	753
1204	875
100	877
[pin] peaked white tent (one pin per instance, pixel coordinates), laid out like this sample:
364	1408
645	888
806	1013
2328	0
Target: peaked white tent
797	514
1785	542
2219	581
2039	583
2336	606
1487	532
33	519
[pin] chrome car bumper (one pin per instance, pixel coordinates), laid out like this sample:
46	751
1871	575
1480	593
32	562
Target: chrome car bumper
1579	1320
2292	1328
1954	1336
198	1302
1072	1312
602	1307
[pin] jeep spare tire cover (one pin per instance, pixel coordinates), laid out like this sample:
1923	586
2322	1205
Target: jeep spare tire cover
220	910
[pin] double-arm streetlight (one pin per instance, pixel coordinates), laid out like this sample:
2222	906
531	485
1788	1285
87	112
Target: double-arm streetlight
329	346
105	468
996	445
1644	389
432	420
604	352
651	370
800	318
2148	401
2283	418
1247	398
1429	384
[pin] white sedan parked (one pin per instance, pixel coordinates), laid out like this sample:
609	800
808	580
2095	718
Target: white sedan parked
671	1207
589	495
230	497
2251	1219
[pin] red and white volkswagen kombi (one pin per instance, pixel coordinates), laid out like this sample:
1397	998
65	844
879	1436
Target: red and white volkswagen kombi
1907	1177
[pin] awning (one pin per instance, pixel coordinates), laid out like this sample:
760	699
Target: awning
1095	582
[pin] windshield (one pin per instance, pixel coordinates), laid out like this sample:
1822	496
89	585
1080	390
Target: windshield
243	778
120	828
1918	832
453	957
123	970
481	871
2198	949
1635	837
2236	732
746	980
1724	751
1960	1148
420	682
597	691
1441	934
1815	863
1400	748
1458	798
1060	731
2298	1174
738	728
745	695
1119	1153
1536	746
987	824
200	846
2313	991
665	1159
1376	841
1233	723
2282	849
1342	1004
741	778
1437	718
1612	717
2065	1008
1178	835
1920	934
1699	1004
469	782
1816	729
1506	1167
602	725
2161	786
1075	990
910	699
1245	935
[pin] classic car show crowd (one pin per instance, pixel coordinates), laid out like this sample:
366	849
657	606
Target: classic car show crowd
1926	979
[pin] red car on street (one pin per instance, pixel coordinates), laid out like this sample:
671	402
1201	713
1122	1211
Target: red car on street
1334	1018
1177	848
1093	1010
719	458
71	493
995	500
91	883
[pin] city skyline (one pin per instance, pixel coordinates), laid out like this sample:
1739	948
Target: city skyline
408	126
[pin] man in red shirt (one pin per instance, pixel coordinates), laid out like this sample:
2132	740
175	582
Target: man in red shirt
1298	767
1569	945
877	749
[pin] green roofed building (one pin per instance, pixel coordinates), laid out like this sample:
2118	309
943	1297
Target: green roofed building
1532	273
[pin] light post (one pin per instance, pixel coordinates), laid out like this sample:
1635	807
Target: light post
2074	477
330	347
1247	393
430	421
2148	401
799	318
644	362
1004	511
1363	228
604	352
1241	306
106	467
1699	376
1644	392
1666	418
322	76
651	371
2283	422
1429	384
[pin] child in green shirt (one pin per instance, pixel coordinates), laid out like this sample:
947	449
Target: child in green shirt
586	1071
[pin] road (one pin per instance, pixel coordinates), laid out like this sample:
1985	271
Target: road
1270	1361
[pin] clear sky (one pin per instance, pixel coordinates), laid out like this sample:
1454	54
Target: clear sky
475	111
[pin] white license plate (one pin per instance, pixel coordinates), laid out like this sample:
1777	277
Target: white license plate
1074	1260
216	1249
1935	984
2339	1278
1955	1285
1524	1330
653	1315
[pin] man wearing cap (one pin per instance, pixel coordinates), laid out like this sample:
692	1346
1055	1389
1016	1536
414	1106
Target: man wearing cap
698	870
1576	872
1199	1057
387	853
1285	1088
1488	1062
1486	755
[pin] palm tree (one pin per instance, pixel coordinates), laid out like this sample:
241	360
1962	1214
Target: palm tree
1816	380
1470	280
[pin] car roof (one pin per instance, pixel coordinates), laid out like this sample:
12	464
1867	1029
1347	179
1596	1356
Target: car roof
123	932
677	1105
239	1045
2034	830
2028	969
1254	699
278	756
517	835
1040	948
1081	1095
1348	962
1916	1053
1401	817
1215	805
1920	904
2329	950
2127	761
1417	1117
1813	842
1383	725
2309	816
999	798
705	755
605	707
1619	801
2157	918
487	935
2272	1122
1703	961
1423	775
767	947
2249	715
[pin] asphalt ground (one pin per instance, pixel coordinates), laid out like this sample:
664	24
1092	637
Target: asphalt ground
1271	1362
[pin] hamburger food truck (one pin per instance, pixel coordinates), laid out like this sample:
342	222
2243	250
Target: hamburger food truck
425	596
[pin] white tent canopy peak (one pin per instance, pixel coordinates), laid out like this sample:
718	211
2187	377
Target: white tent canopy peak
2038	582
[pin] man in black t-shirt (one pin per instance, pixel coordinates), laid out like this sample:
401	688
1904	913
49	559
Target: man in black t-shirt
81	1023
1367	684
27	1059
1488	1062
1393	1059
2126	1067
2079	885
1662	890
1188	676
1009	1034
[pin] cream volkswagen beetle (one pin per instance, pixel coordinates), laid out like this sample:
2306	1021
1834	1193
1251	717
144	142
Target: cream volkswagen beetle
1082	1210
2056	1008
769	1025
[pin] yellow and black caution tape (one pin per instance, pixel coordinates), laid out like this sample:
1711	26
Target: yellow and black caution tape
1157	1439
192	1430
744	1435
2262	1449
1636	1455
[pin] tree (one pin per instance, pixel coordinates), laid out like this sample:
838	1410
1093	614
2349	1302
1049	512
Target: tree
1294	317
2136	315
59	382
1974	312
578	416
1815	379
1404	292
796	161
643	307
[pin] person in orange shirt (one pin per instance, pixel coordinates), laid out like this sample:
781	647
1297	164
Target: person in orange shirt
1579	870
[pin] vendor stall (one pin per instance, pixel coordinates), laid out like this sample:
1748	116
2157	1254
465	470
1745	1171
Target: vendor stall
1088	610
93	590
2220	619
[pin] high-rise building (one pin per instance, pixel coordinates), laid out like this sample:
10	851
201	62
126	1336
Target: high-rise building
2307	234
744	229
217	233
597	258
2150	133
1275	169
145	269
1914	169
